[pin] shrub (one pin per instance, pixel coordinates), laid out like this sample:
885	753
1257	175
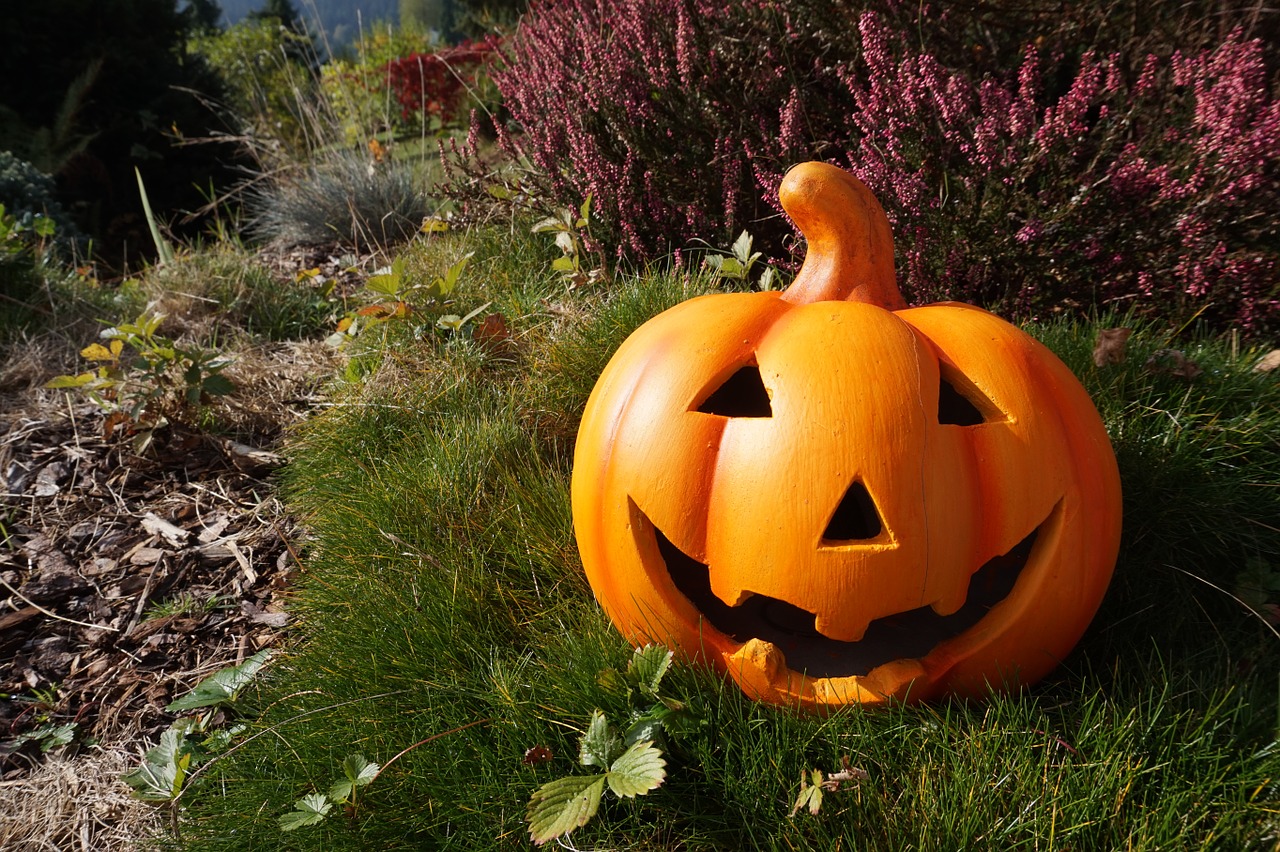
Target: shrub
27	193
269	81
356	87
436	89
1074	179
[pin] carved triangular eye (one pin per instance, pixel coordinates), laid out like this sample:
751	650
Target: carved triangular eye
742	395
855	519
959	402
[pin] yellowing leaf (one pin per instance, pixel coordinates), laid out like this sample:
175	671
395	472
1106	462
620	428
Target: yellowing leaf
434	225
639	770
560	806
98	352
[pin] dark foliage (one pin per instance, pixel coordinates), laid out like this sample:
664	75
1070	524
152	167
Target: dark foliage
106	87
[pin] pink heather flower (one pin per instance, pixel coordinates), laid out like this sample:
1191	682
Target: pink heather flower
1029	232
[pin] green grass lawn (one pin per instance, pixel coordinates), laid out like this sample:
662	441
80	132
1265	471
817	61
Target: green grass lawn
441	596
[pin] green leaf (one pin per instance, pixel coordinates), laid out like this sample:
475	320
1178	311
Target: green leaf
341	790
560	806
163	770
308	810
562	264
44	226
810	795
647	667
49	737
600	744
70	381
646	727
217	385
222	686
389	279
163	249
639	770
446	284
359	771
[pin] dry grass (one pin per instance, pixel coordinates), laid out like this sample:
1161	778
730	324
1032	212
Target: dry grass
76	804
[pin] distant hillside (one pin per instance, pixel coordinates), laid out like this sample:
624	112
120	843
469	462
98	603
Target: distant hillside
340	20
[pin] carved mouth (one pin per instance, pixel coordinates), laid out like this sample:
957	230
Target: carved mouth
903	636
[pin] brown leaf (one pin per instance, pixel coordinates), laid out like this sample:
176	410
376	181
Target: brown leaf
1174	363
1110	346
536	755
1268	362
493	332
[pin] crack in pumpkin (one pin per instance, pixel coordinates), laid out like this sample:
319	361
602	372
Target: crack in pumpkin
906	635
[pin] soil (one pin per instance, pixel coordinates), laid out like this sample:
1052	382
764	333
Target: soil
128	577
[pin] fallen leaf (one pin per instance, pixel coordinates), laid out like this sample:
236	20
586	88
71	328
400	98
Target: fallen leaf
1268	362
493	332
1109	348
537	755
1174	363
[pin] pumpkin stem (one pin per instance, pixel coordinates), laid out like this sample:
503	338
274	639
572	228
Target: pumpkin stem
850	253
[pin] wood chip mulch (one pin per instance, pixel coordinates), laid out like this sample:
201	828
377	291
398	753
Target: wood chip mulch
124	580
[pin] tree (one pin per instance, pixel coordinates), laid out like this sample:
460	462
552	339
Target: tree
283	11
204	16
106	87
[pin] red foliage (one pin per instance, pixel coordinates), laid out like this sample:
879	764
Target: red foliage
438	84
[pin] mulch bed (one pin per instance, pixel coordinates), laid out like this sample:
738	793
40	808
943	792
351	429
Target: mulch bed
126	579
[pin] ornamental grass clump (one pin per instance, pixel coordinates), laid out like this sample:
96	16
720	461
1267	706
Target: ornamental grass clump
1064	180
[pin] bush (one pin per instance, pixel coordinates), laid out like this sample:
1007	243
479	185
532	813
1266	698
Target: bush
26	193
270	85
1077	178
434	90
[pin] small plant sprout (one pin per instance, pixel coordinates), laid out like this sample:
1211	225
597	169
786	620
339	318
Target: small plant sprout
571	235
813	786
397	296
158	381
166	766
737	263
311	809
632	759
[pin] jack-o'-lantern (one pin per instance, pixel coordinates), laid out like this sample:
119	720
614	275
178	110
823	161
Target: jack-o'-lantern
835	498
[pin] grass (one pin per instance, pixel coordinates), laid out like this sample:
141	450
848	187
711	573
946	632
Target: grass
442	589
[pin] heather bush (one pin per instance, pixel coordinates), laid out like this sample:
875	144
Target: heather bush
1070	179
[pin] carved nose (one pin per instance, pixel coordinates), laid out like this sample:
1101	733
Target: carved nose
854	519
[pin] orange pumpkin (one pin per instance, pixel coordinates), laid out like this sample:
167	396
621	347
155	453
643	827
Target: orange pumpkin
836	498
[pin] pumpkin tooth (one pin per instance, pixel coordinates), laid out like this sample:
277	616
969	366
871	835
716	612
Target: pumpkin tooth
950	604
845	630
758	659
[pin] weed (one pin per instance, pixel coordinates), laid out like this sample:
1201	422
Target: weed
155	383
572	235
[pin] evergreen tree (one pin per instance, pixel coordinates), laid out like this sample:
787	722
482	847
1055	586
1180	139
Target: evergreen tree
106	86
204	16
283	11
